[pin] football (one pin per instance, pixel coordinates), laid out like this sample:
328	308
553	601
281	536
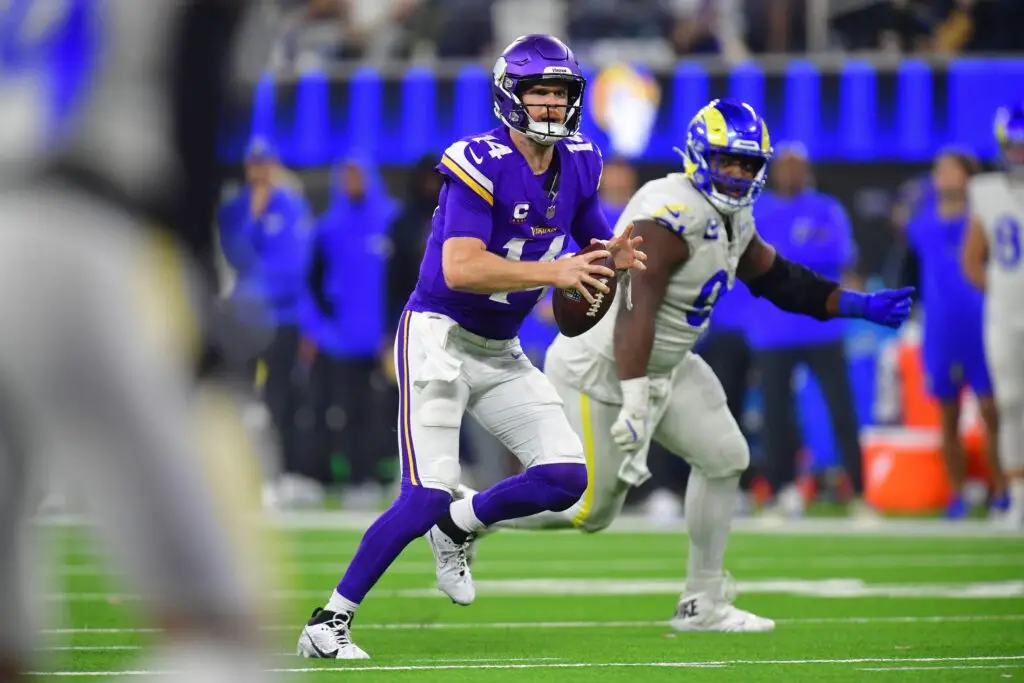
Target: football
574	314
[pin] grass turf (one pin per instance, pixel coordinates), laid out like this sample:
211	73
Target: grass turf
568	607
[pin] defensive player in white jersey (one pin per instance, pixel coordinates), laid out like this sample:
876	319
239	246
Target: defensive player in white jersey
632	378
110	117
992	260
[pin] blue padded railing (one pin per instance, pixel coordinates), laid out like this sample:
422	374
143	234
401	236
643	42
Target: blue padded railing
852	112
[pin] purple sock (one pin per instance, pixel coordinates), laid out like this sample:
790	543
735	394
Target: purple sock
411	515
544	487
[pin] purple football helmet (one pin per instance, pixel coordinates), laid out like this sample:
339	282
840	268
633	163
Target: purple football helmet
1009	130
531	60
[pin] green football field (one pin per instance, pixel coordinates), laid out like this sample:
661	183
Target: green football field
906	602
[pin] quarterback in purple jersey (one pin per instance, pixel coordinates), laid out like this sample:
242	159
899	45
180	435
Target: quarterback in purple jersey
511	200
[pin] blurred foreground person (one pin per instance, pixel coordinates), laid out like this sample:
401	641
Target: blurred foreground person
107	186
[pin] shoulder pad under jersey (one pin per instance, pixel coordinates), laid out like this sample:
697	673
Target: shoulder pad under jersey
586	157
474	161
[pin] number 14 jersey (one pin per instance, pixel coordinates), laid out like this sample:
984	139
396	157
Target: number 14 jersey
587	362
491	194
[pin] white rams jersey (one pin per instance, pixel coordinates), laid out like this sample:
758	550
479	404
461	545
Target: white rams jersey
587	362
999	203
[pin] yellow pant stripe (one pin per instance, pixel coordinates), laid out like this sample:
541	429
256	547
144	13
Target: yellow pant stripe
588	453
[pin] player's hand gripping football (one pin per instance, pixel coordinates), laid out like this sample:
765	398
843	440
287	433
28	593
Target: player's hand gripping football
573	272
624	250
889	307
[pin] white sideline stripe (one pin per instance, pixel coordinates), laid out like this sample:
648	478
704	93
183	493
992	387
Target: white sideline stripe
478	659
819	588
511	625
356	521
89	648
940	668
578	665
613	567
137	648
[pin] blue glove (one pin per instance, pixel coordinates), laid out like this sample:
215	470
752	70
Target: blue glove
889	307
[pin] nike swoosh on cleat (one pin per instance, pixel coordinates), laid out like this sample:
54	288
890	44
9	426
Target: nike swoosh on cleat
321	653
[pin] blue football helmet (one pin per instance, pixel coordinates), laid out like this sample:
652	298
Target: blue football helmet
528	61
1009	131
727	130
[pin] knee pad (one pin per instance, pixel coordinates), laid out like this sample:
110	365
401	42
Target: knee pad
733	457
560	484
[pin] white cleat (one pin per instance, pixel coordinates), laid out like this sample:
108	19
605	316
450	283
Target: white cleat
862	514
698	612
453	576
1011	520
327	635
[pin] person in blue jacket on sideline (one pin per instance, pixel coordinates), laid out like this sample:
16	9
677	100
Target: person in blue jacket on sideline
346	320
812	229
264	235
953	350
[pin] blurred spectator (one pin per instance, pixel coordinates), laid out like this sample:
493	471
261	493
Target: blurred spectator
645	31
346	323
812	229
872	24
463	28
952	348
901	267
317	31
776	26
709	26
409	234
945	26
264	235
593	20
457	29
514	18
997	26
618	183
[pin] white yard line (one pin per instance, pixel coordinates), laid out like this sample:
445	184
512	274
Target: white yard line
615	567
536	587
577	665
941	667
358	521
560	625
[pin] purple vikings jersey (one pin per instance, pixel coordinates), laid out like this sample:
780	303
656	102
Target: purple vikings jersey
491	193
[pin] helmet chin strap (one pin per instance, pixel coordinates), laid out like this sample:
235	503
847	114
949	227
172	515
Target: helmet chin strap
544	138
723	206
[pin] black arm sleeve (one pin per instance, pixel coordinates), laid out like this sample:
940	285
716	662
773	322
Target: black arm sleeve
794	288
316	277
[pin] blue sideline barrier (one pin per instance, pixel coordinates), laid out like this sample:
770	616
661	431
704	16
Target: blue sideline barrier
856	112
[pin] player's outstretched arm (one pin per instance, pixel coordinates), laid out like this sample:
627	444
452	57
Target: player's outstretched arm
634	329
797	289
974	255
469	267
